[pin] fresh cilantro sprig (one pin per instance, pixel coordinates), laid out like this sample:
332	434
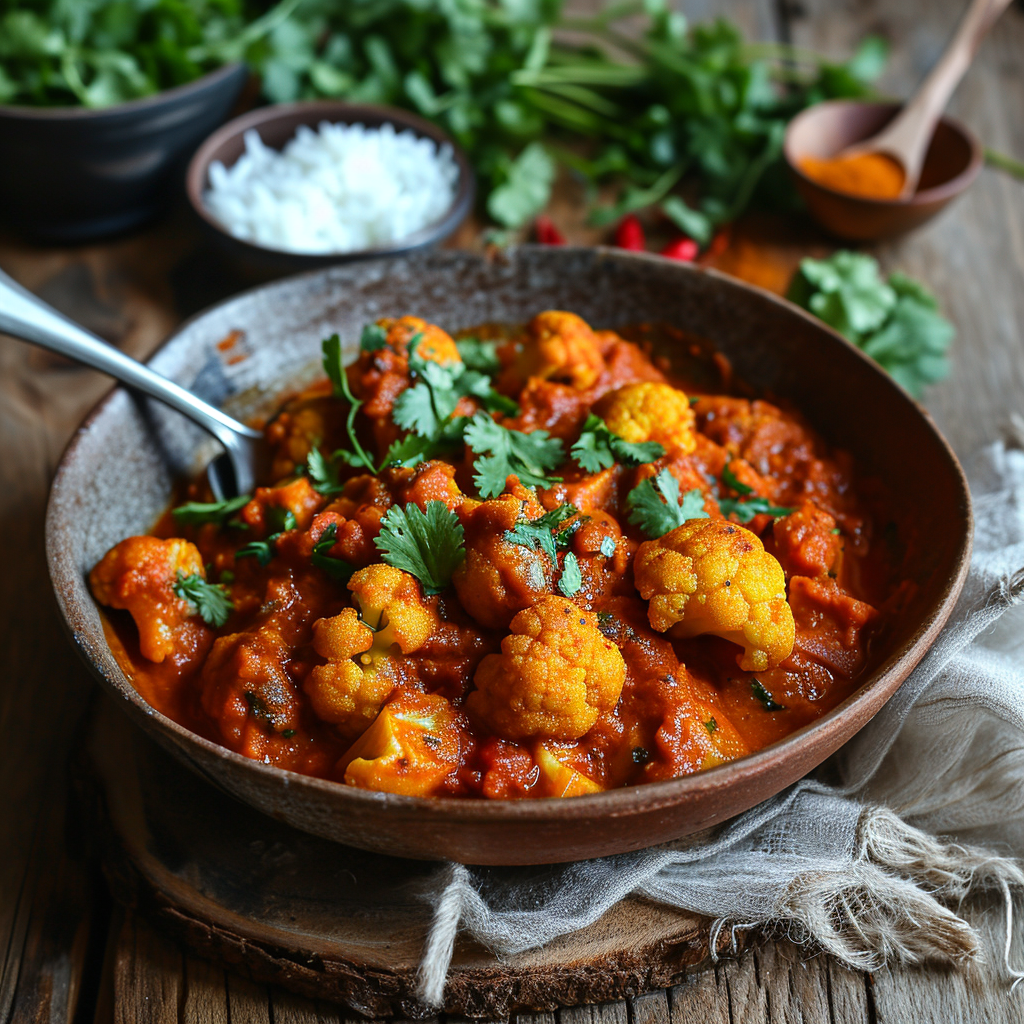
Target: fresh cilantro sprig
335	370
281	520
196	513
208	600
479	355
336	567
654	504
748	504
598	448
896	322
530	456
744	509
545	532
426	544
428	406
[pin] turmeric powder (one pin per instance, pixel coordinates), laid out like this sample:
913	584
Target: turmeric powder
868	175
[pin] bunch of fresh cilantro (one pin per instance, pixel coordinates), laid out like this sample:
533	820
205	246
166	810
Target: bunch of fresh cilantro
897	322
671	105
100	52
667	110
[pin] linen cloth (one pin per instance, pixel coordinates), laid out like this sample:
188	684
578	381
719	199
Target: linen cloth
928	807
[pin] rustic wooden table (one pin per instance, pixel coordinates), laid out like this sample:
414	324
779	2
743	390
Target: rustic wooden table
67	955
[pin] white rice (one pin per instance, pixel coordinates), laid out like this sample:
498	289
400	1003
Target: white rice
340	189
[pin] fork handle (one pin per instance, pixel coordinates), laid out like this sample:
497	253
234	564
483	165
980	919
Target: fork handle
27	317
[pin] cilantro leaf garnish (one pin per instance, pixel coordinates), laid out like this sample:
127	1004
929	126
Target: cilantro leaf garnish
336	567
479	355
208	600
261	550
746	508
426	544
534	533
769	702
373	338
196	513
730	479
531	457
655	507
323	473
711	725
897	322
281	520
428	405
571	580
335	370
598	448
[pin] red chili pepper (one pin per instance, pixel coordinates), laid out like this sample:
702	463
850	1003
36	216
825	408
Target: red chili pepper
630	234
546	232
684	249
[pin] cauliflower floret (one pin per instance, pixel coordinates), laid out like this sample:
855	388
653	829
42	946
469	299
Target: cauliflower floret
414	743
555	675
712	576
138	575
349	691
391	602
434	344
497	579
649	411
561	347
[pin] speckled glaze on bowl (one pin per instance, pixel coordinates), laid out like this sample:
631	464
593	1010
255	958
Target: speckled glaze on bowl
115	479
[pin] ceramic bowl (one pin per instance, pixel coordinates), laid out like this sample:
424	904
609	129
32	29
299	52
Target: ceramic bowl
276	125
116	478
69	174
952	163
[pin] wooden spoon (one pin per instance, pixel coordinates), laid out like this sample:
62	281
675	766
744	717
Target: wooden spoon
907	136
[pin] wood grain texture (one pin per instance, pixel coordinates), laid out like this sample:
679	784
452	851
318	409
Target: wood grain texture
331	922
134	290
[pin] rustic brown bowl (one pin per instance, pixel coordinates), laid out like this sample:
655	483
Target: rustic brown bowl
952	163
115	479
276	125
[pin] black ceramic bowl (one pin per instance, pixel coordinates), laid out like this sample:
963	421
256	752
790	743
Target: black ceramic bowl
276	126
69	174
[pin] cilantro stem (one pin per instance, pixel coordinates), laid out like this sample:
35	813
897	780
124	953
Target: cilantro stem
1005	163
350	424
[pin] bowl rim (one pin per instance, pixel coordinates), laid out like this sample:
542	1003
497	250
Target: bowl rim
887	675
942	192
334	111
25	112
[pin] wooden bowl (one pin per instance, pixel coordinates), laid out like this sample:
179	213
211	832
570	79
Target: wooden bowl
276	125
953	161
115	479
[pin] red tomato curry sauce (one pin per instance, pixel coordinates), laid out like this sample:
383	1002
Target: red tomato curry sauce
521	563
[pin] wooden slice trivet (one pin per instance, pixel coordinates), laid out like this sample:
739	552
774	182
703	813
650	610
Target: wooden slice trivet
328	921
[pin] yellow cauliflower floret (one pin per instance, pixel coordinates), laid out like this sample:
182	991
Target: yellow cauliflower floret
712	576
138	575
361	673
561	346
391	602
555	675
649	411
413	744
434	344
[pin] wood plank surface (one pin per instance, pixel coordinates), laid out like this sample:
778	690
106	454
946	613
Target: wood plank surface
65	957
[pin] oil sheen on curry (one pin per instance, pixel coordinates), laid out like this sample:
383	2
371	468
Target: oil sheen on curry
526	562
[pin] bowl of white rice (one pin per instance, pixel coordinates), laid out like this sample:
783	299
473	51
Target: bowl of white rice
302	185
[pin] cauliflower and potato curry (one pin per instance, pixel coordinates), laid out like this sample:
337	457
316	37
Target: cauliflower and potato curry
522	563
